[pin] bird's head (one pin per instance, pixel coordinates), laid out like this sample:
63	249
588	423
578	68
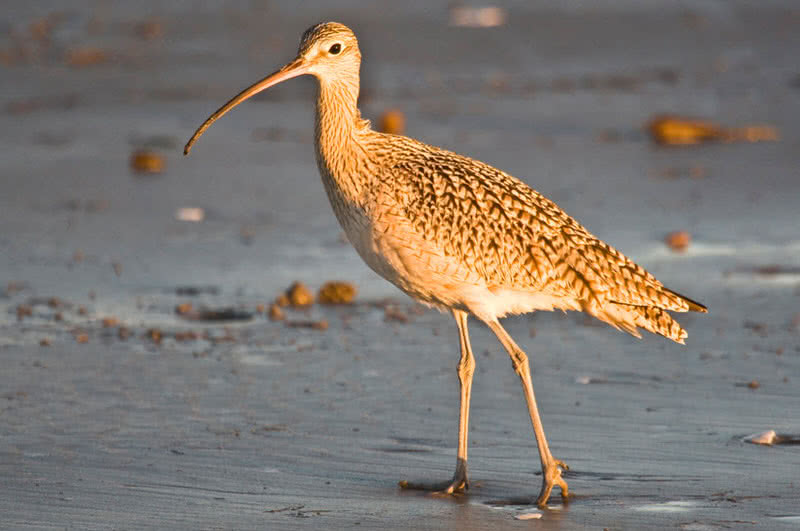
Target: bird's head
329	51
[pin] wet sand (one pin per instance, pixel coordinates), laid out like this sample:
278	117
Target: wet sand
253	423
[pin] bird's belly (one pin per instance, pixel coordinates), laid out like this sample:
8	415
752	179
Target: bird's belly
393	249
390	248
422	272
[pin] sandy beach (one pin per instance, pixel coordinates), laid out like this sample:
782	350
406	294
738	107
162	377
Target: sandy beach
124	406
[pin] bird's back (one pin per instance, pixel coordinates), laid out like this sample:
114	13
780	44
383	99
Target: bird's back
506	235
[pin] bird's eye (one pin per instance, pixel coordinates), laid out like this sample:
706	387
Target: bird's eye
335	49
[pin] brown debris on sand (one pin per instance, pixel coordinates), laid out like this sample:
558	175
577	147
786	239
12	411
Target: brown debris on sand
392	121
322	324
275	313
334	292
299	295
678	241
85	56
147	162
187	311
671	130
23	311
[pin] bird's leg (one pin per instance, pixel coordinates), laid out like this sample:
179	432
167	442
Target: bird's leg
466	368
551	467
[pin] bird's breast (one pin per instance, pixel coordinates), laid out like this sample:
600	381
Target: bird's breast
358	222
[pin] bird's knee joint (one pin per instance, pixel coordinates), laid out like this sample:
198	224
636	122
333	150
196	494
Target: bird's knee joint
466	368
520	362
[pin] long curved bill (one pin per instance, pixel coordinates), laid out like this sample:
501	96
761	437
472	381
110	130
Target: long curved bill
298	67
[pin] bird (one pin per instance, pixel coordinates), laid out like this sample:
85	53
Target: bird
461	236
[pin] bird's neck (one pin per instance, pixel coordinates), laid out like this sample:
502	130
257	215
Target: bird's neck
338	130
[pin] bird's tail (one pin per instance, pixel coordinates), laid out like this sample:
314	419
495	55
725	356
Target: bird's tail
694	306
659	322
652	318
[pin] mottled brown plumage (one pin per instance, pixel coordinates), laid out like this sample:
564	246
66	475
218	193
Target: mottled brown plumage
460	235
506	236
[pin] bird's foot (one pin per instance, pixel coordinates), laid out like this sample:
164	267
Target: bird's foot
458	485
551	477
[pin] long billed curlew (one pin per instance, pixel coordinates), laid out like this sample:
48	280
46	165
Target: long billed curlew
460	235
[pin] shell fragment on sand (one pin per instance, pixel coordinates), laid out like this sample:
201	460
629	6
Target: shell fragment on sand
193	214
529	516
771	438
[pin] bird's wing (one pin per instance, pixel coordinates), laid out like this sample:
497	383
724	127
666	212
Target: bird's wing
511	235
